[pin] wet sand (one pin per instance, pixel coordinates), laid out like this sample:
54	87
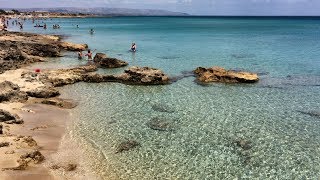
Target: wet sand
47	126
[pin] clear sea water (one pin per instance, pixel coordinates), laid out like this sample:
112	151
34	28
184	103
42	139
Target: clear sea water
206	120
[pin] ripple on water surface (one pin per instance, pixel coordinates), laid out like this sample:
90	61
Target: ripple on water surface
219	131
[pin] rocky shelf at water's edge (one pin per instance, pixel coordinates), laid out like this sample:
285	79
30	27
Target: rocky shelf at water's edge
218	74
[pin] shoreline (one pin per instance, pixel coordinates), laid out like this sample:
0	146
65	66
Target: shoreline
43	128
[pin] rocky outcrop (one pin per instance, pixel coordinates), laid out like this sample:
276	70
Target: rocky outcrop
102	60
11	92
5	116
62	103
134	75
218	74
18	49
62	77
44	92
73	47
143	76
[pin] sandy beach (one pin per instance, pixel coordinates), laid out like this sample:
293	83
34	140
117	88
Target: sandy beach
34	143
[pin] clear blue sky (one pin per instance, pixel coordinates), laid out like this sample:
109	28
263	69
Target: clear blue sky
196	7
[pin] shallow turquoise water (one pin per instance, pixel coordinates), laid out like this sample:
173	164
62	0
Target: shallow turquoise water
206	120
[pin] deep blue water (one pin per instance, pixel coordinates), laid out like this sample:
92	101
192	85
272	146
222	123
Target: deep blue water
207	120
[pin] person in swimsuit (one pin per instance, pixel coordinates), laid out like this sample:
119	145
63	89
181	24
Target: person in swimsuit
80	55
89	54
133	47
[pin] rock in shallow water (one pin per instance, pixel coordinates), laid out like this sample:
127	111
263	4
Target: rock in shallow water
144	76
127	145
160	124
218	74
106	62
162	108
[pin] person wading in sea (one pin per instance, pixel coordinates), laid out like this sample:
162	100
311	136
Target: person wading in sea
89	54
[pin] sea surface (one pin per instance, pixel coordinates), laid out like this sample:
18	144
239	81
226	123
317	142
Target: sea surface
267	130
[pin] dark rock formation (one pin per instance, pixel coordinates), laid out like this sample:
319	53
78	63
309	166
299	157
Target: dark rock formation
34	156
11	92
105	62
144	76
127	145
1	129
63	103
311	113
162	108
160	125
6	116
243	144
45	92
218	74
70	167
4	144
18	49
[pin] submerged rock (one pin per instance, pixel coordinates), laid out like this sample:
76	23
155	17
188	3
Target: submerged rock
144	76
243	144
160	125
162	108
218	74
127	145
311	113
106	62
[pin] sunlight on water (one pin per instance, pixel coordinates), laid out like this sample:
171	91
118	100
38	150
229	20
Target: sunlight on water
219	131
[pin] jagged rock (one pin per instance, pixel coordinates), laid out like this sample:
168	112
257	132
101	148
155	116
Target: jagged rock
73	47
45	92
62	77
4	144
68	104
34	156
97	78
99	57
19	48
70	167
6	116
105	62
218	74
127	145
143	76
30	141
17	121
160	125
11	92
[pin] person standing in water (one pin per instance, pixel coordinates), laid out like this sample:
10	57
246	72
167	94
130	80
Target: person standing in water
133	47
89	54
91	31
80	55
